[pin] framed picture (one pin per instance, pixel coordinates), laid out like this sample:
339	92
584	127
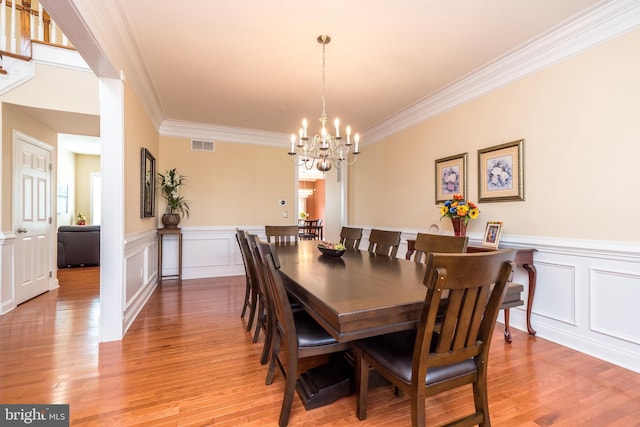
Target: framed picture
147	184
492	234
501	172
451	177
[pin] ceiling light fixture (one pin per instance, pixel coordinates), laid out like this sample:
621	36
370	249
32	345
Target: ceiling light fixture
324	150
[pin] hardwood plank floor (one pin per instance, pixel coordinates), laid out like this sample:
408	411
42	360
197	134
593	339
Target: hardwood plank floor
188	361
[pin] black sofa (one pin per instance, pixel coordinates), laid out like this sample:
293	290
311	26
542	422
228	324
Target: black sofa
78	245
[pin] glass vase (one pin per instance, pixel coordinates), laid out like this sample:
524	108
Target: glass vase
459	226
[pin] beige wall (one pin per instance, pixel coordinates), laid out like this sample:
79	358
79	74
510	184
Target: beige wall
237	184
51	88
139	132
580	122
85	165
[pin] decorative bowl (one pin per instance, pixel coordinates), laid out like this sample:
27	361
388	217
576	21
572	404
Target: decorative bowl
331	252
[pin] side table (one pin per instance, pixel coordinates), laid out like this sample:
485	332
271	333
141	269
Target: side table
170	232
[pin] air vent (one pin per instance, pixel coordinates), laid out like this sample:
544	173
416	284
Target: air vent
200	145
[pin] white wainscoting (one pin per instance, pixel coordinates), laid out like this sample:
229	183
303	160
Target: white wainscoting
587	295
141	272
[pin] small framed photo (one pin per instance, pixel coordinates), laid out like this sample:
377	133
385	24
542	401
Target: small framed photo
501	172
492	234
451	177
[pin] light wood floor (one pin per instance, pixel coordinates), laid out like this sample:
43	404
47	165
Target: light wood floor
188	361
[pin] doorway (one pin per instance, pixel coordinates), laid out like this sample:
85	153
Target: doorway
322	196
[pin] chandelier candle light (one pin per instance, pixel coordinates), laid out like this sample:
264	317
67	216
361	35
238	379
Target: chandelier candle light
324	150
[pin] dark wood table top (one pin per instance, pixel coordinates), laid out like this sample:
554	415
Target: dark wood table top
356	296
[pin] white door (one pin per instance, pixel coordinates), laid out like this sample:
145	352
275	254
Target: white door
32	217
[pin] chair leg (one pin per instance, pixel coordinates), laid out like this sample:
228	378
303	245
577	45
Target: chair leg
275	349
247	294
418	418
481	398
268	338
260	315
253	308
291	378
362	384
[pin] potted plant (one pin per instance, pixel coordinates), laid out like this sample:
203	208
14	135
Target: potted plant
177	206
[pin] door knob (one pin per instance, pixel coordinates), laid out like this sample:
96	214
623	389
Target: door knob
22	230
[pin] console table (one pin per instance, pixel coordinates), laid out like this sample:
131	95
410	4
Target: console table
524	259
170	232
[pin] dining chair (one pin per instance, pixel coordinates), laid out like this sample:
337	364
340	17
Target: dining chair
432	243
281	234
384	242
251	294
452	352
350	237
310	230
297	332
264	312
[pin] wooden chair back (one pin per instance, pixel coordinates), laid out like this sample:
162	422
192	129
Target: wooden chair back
264	311
298	332
251	290
281	234
311	230
451	349
436	243
384	242
476	286
350	237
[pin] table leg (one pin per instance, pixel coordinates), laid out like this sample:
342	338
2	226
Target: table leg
531	269
507	331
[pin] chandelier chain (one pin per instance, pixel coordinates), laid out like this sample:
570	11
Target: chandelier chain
324	113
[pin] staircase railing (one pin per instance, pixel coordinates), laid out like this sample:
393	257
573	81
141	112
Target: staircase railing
23	22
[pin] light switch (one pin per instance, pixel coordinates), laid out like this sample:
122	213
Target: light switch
285	214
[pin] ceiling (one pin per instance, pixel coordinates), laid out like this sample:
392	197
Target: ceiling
257	64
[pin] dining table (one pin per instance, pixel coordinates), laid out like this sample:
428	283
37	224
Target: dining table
361	294
357	295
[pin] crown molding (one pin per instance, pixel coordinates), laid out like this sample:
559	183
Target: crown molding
222	133
606	21
105	40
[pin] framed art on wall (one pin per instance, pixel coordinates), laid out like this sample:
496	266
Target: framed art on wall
451	177
147	184
492	234
501	172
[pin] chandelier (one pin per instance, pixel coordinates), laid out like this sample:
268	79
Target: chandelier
324	150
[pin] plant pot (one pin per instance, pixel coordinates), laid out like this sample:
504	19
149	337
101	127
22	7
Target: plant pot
171	221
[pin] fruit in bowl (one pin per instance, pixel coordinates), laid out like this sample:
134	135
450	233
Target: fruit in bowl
331	249
334	246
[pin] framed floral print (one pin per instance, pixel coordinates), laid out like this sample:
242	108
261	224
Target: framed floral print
501	172
451	177
492	234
